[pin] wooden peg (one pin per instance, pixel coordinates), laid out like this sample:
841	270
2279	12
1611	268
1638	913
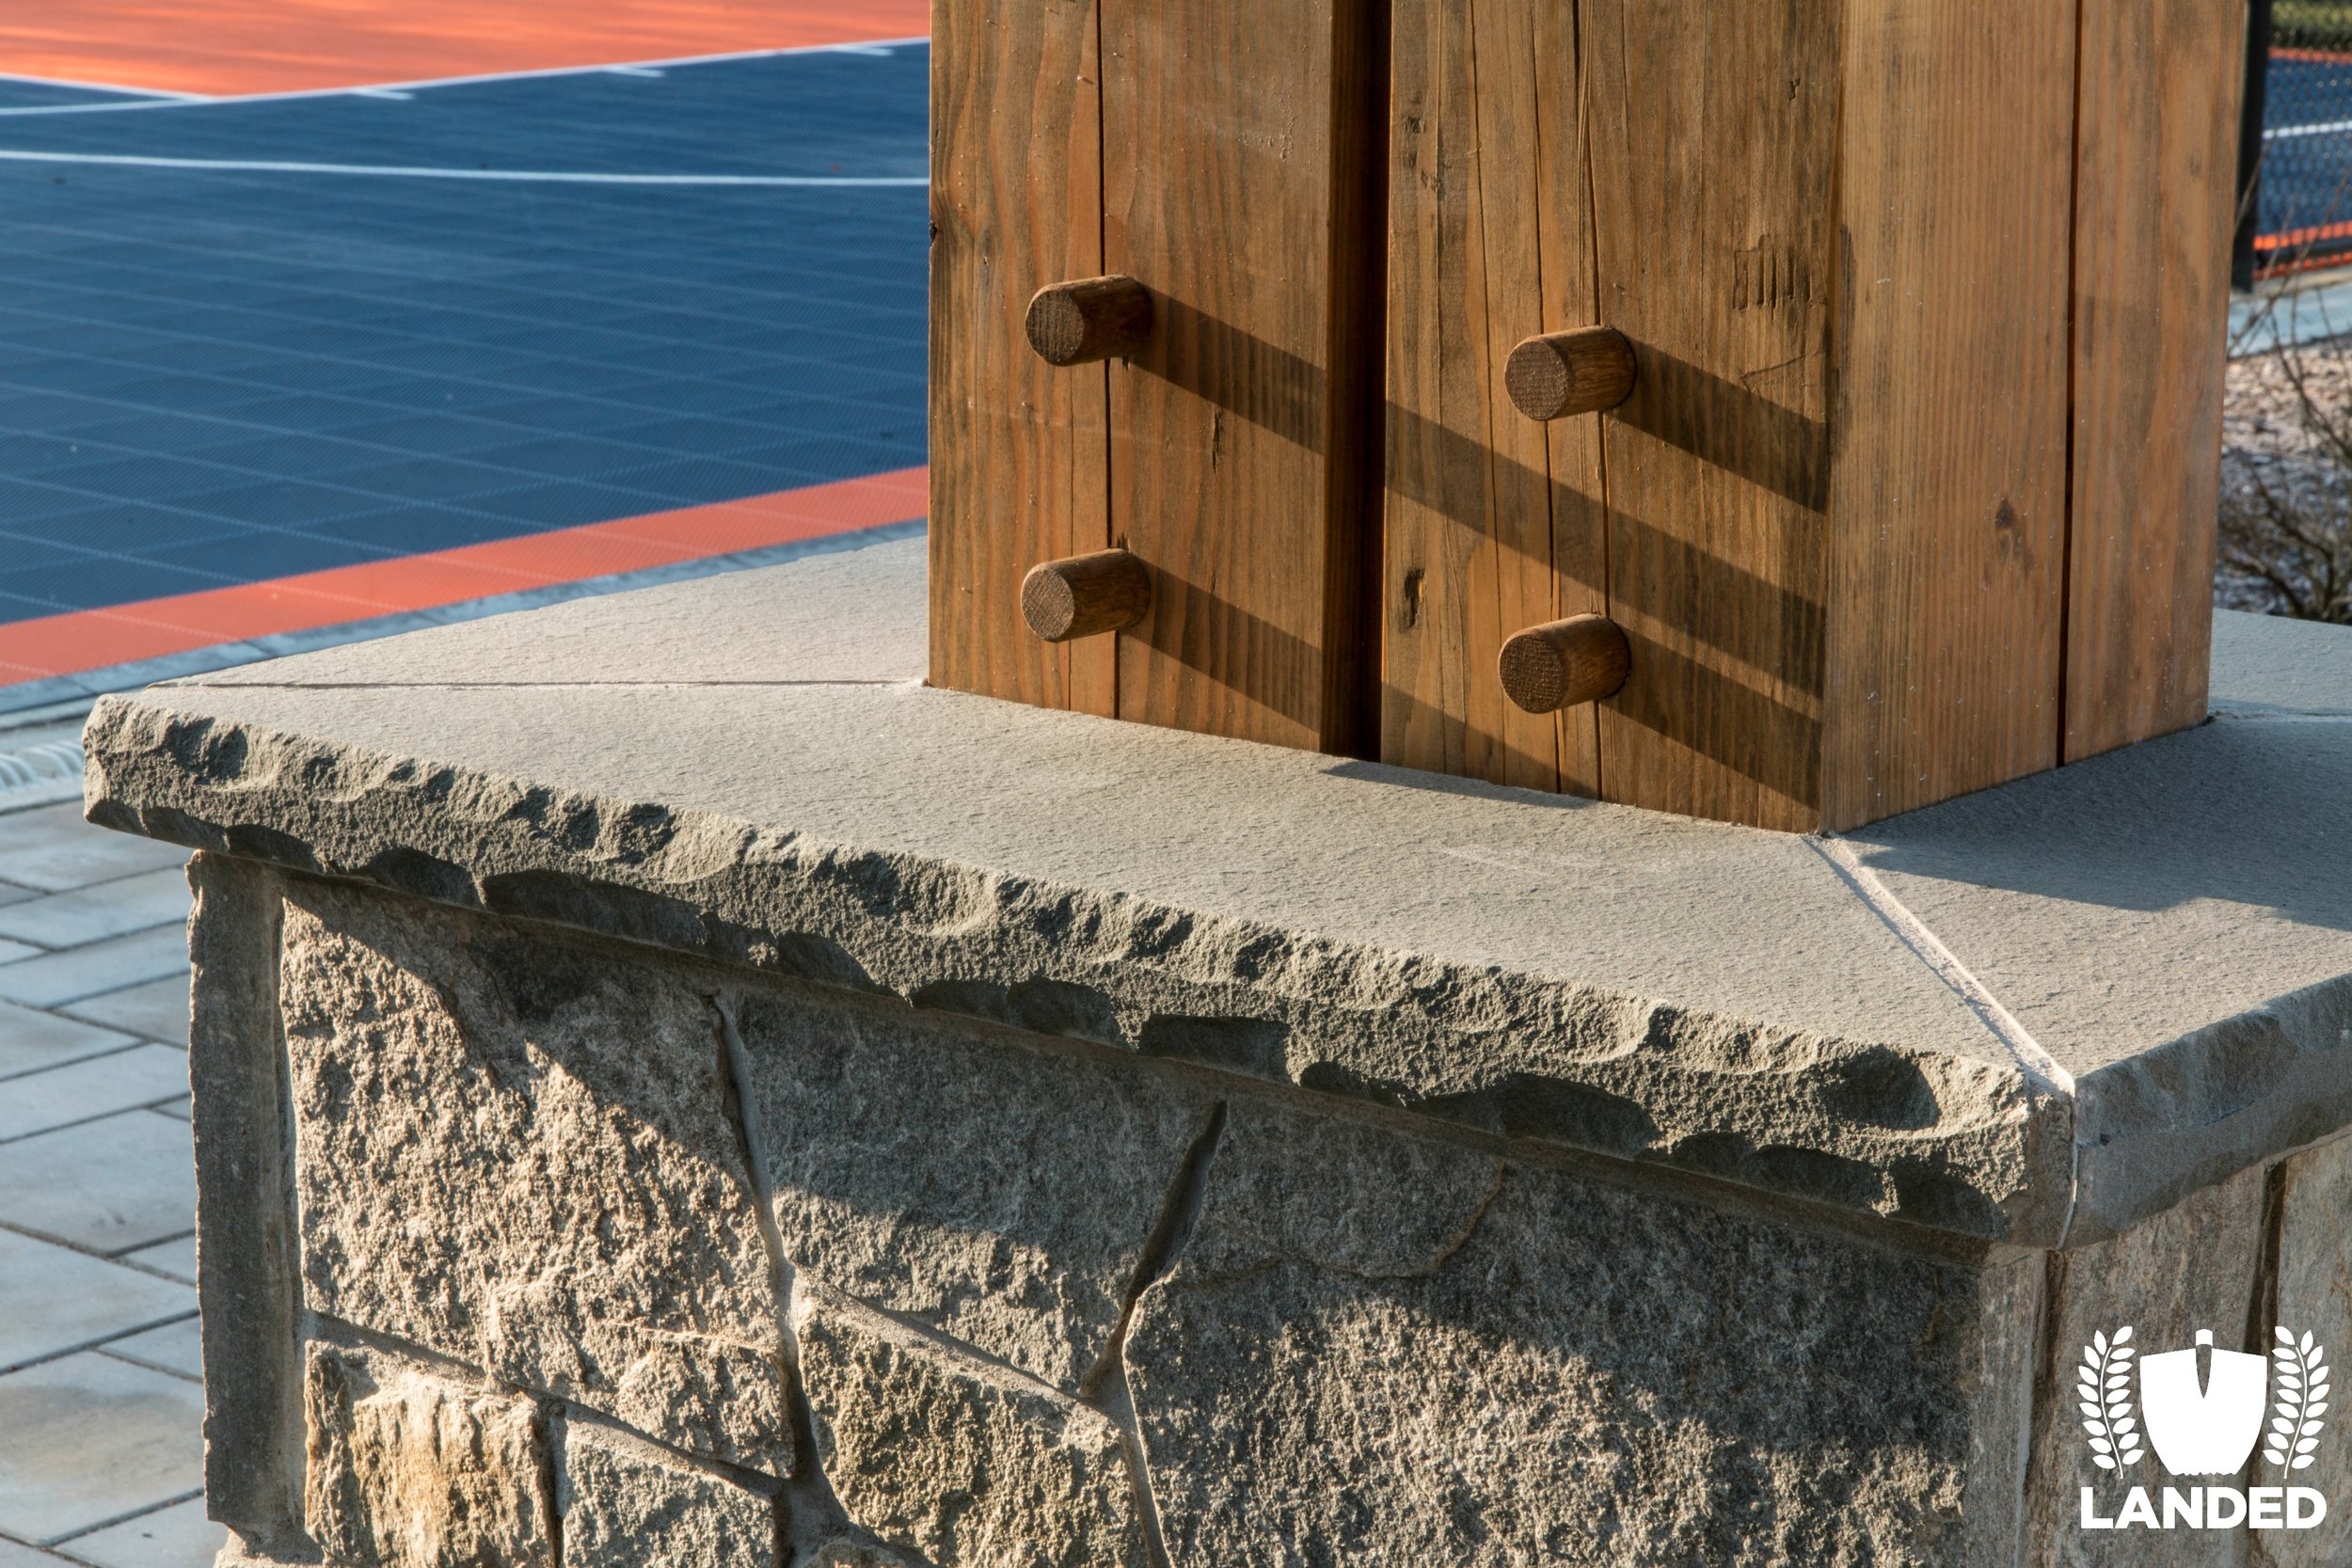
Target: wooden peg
1084	596
1561	374
1561	663
1095	318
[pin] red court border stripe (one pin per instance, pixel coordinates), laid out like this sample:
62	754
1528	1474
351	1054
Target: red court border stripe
238	48
2295	238
94	639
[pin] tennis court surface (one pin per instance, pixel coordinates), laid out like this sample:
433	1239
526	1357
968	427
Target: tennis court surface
306	322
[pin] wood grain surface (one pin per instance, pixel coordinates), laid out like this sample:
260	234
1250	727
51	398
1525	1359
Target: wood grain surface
2155	212
1494	523
1242	166
1949	501
1017	446
1713	127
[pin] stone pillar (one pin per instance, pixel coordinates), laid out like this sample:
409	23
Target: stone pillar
649	1119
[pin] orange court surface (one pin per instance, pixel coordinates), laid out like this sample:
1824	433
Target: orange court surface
220	48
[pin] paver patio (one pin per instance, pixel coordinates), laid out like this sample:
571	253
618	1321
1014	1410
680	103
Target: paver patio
101	1390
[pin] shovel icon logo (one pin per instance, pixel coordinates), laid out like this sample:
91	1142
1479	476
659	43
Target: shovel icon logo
2205	1411
2204	1425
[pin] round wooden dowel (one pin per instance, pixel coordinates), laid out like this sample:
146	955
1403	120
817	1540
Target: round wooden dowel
1084	596
1570	373
1094	318
1561	663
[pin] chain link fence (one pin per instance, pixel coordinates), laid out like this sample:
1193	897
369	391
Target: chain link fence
2296	162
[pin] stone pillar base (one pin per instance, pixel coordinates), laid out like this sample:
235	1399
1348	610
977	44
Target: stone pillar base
926	1132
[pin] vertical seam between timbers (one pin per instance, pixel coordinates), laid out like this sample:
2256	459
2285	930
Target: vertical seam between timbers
2067	496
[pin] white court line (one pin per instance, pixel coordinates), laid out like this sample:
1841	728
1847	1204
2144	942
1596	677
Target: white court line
100	86
879	48
2331	128
245	166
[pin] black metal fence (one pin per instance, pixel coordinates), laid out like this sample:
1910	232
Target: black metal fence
2295	160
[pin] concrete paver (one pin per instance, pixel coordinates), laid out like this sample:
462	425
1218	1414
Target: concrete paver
176	1257
175	1537
156	1010
30	1040
142	1075
52	849
95	968
85	1440
41	827
110	1185
112	909
54	1300
101	1406
177	1348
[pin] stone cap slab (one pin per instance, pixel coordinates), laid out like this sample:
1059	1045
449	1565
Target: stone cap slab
2030	1016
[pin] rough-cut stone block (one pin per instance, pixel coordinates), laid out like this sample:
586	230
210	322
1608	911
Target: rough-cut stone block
2195	1266
515	1154
2315	1298
626	1504
972	1466
409	1470
998	1193
843	1553
1380	1349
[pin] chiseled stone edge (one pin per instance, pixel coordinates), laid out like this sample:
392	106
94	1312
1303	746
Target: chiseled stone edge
1966	1147
2265	1082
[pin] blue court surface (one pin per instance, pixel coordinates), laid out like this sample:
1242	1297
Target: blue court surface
2306	178
213	375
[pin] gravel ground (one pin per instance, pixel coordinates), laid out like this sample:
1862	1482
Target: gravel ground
2286	420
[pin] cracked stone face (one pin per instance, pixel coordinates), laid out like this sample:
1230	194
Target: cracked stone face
512	1152
1000	1194
972	1466
1378	1349
409	1470
626	1504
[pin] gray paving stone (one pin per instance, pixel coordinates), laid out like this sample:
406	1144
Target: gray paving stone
86	1090
88	1439
53	849
54	979
12	951
113	1185
36	829
54	1300
31	1041
178	1110
175	1537
11	894
15	1556
176	1257
157	1010
177	1348
135	903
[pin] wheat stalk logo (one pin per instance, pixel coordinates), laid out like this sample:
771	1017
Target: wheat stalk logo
2105	1382
2300	1375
